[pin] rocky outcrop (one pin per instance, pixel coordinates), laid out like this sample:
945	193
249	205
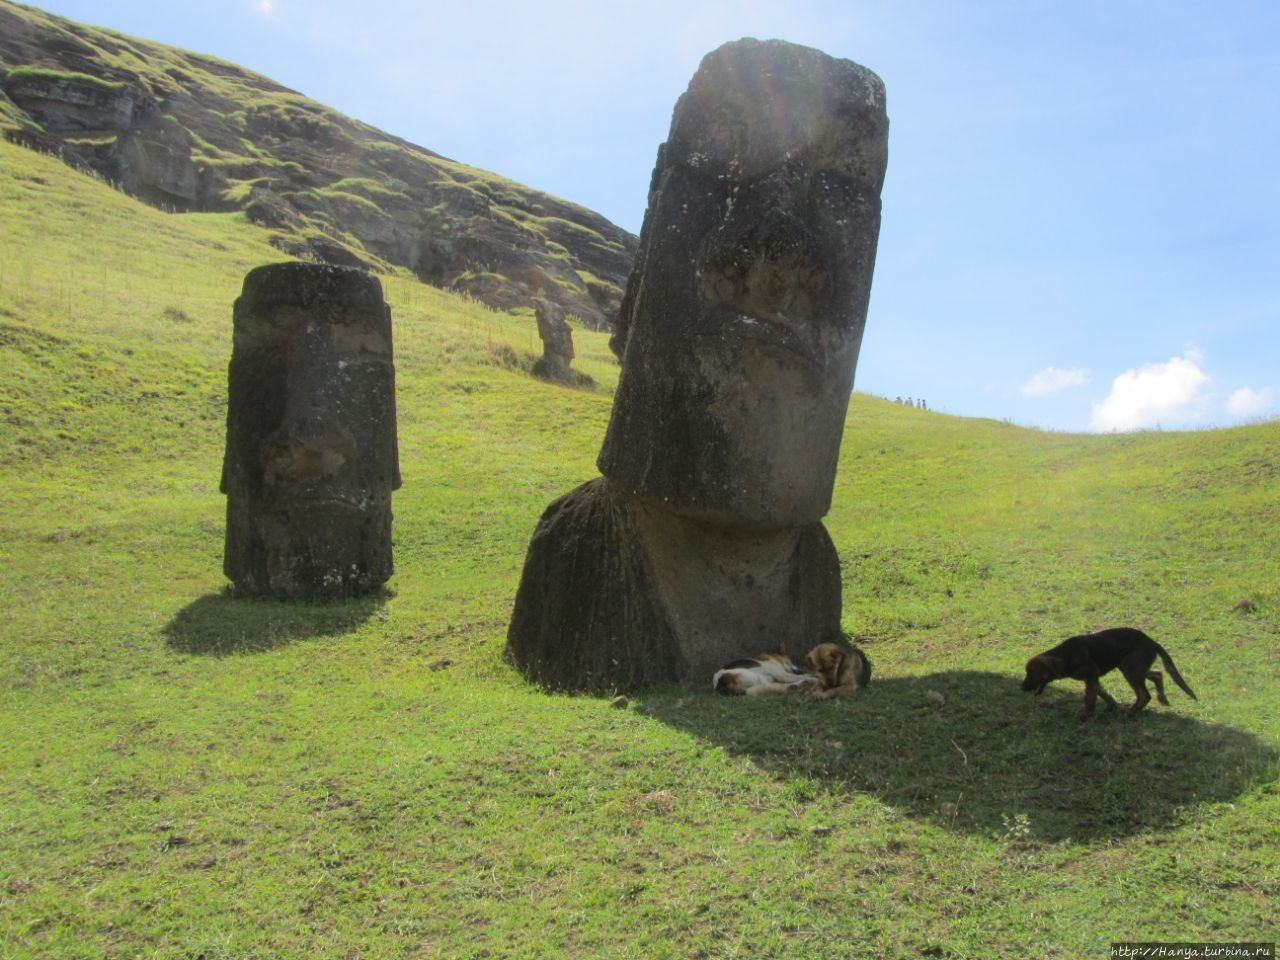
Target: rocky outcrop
187	132
113	128
312	457
702	542
71	102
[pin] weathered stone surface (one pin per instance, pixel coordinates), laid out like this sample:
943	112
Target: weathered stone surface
311	457
617	593
738	336
72	103
743	315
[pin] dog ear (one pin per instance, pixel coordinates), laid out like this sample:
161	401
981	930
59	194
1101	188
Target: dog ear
1035	679
729	682
1041	670
1051	664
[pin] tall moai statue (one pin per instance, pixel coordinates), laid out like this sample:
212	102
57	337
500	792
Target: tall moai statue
312	456
557	344
738	335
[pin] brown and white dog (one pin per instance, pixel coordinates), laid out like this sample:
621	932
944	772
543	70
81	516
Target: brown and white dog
765	673
840	669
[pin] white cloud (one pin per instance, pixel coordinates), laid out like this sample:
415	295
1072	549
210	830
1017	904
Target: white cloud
1157	394
1051	380
266	7
1247	402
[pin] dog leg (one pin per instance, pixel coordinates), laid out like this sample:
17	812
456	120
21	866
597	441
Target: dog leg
830	692
1137	674
779	686
769	686
1144	697
1091	689
1107	698
1157	678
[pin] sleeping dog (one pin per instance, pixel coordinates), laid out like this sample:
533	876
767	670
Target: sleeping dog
840	669
765	673
1088	656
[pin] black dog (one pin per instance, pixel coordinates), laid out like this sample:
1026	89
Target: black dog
1090	655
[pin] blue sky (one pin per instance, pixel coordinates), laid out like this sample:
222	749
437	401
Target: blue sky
1082	211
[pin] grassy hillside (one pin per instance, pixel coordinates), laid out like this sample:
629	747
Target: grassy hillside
185	131
183	774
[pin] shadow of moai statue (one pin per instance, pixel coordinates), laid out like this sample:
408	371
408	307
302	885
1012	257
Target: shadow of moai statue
739	334
557	344
311	456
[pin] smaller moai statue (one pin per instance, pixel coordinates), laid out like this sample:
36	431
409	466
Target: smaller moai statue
312	456
557	344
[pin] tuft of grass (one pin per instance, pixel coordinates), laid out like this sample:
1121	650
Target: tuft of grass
25	74
186	773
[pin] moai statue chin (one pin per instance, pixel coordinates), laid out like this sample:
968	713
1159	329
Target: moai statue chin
738	335
311	458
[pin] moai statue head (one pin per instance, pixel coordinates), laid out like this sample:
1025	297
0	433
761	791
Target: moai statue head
311	456
743	316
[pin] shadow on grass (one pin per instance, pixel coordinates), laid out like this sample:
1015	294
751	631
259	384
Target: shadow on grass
221	624
973	753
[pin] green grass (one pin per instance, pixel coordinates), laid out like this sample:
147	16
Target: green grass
19	74
185	774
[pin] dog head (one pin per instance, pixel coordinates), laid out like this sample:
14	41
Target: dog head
729	682
1040	671
827	661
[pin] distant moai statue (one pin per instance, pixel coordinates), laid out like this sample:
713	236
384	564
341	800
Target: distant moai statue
312	456
557	343
738	335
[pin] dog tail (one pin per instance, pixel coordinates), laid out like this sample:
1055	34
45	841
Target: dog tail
1173	671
